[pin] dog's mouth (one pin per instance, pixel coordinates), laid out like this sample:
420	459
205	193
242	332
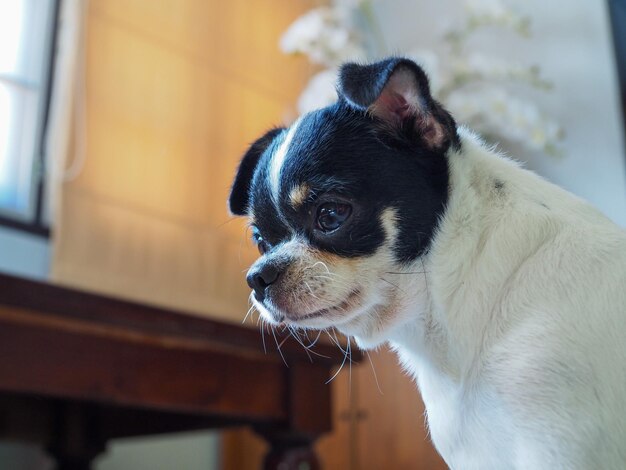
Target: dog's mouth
341	307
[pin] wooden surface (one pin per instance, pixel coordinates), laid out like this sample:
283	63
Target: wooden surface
77	370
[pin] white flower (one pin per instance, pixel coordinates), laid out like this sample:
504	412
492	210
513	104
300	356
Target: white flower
493	111
491	8
324	35
319	92
478	67
494	12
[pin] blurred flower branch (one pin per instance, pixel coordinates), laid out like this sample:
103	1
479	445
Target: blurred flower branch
483	92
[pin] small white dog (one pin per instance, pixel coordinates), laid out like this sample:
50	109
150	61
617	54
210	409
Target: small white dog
503	295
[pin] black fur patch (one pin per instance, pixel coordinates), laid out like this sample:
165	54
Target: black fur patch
344	154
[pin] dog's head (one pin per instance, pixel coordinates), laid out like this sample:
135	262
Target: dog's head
346	200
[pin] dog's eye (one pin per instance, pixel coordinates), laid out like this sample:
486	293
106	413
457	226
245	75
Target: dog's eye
261	244
263	247
331	215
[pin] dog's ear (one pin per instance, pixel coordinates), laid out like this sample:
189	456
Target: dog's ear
240	192
396	91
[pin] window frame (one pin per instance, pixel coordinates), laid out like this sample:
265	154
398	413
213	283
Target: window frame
38	224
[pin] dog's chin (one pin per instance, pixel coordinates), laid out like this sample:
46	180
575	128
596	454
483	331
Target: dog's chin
315	318
368	319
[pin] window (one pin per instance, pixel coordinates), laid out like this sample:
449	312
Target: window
26	46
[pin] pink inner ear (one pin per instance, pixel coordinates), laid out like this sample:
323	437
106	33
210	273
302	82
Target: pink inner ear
399	98
393	105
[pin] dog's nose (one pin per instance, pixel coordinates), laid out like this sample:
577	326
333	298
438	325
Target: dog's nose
260	279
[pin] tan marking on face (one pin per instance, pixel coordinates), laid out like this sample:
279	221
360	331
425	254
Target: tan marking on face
298	195
334	259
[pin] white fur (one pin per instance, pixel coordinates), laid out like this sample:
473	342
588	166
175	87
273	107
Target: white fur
278	159
514	324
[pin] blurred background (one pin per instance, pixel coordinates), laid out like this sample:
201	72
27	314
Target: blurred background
122	123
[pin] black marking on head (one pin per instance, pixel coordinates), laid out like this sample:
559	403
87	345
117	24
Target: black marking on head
240	192
349	153
344	154
498	185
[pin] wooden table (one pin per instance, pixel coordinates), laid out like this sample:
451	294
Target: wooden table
78	369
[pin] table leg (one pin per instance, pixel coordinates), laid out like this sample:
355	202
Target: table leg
73	463
76	442
309	416
290	455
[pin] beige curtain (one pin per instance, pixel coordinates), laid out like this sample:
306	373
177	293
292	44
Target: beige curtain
174	92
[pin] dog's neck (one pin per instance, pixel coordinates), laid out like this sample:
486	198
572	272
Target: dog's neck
453	296
466	270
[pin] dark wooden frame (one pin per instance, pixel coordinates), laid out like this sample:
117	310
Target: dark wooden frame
77	370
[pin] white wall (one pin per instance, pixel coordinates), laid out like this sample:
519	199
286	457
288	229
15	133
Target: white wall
572	44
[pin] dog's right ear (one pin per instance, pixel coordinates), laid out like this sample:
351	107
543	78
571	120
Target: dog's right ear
396	91
240	192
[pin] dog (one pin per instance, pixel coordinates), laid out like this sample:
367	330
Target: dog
503	295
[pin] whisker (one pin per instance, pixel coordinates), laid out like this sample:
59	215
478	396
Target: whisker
252	307
247	314
310	290
310	346
334	340
425	278
278	346
323	264
374	371
295	336
340	367
390	283
408	272
262	324
283	341
232	219
337	342
350	368
319	333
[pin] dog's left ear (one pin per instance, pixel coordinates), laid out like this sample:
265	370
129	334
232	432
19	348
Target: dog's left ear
240	191
396	91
